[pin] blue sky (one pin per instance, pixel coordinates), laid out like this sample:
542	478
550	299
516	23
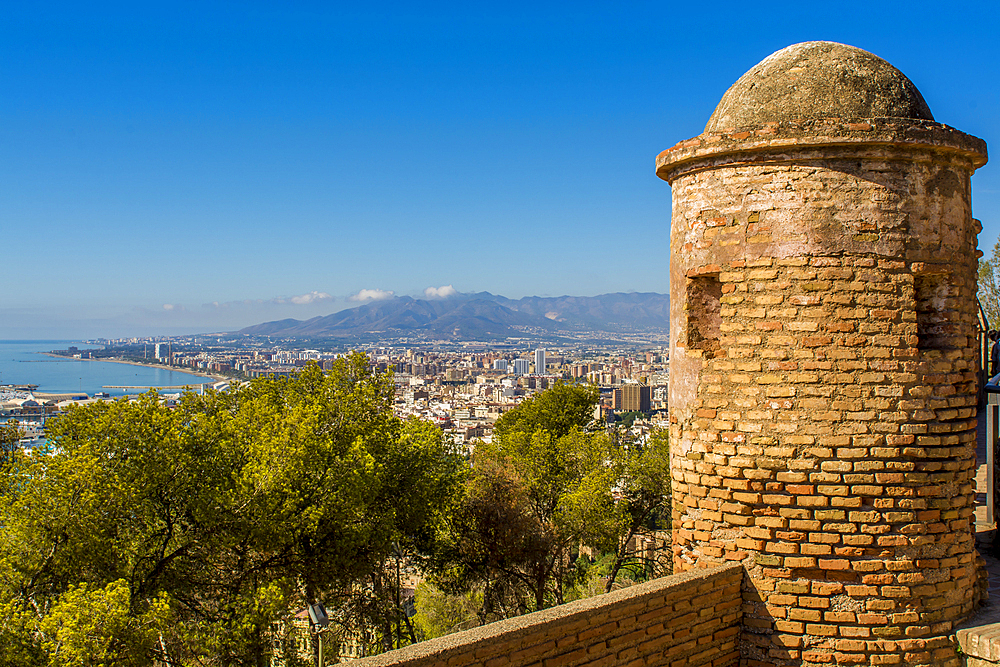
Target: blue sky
172	168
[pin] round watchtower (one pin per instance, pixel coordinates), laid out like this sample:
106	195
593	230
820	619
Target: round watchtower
823	359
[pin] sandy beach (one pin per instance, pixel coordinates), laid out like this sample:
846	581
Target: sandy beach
179	369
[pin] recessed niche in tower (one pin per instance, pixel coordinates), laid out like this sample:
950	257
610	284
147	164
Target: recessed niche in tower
934	295
703	318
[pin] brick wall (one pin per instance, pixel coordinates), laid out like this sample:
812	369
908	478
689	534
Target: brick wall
823	385
690	619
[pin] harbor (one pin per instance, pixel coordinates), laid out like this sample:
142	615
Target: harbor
26	366
35	387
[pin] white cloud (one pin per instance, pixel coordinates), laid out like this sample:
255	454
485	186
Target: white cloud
172	306
226	305
311	297
371	295
440	292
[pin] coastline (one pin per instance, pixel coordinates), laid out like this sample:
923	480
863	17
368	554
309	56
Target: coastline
118	360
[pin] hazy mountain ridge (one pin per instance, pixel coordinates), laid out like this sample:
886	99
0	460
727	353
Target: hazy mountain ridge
605	312
483	315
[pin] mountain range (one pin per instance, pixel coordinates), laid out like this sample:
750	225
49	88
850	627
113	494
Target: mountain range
482	316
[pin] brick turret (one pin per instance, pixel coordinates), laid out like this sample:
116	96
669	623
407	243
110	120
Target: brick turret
823	359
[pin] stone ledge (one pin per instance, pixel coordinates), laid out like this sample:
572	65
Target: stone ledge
979	636
861	134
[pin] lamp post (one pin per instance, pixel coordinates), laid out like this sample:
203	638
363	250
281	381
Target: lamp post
399	598
319	621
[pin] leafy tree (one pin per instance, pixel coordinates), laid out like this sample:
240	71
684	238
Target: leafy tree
440	613
11	456
498	545
186	533
989	286
627	419
90	627
540	489
595	574
645	493
545	486
557	410
10	436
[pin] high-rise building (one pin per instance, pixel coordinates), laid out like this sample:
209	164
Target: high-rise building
500	365
521	366
162	351
635	397
616	399
539	361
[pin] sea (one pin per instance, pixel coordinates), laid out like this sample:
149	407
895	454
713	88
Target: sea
23	362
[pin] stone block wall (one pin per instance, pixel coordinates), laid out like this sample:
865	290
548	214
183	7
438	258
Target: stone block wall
690	619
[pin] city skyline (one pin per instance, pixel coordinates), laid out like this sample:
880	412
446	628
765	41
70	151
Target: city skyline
215	166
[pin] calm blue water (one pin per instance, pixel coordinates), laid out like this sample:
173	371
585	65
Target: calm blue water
21	363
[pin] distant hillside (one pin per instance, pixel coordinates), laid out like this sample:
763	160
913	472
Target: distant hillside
605	312
482	316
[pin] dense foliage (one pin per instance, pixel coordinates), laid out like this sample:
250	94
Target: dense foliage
547	485
189	534
989	286
180	535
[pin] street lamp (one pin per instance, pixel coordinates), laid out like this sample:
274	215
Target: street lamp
319	621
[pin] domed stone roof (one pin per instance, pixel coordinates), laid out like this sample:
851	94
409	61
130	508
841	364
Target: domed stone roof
815	80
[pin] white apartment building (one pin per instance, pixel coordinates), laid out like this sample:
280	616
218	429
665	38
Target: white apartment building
521	366
539	362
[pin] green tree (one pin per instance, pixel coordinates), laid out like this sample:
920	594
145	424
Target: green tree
543	487
557	410
498	545
627	419
189	531
90	627
989	286
10	437
645	494
440	613
11	456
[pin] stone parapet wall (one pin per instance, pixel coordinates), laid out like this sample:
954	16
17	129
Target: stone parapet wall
690	619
